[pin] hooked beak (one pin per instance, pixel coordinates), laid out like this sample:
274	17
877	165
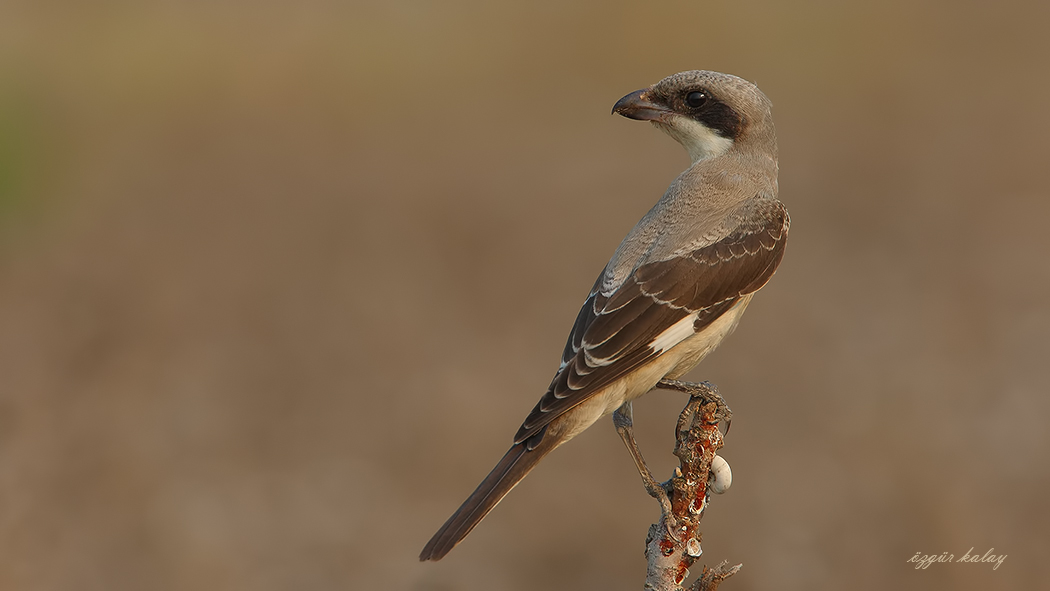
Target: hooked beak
638	106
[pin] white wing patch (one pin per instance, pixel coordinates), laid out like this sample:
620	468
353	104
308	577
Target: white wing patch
676	333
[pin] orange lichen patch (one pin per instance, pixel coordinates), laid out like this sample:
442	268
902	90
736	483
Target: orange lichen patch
681	572
666	546
698	503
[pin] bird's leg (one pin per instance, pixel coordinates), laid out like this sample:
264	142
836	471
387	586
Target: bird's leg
705	391
623	419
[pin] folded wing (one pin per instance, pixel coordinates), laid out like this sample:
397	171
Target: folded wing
659	305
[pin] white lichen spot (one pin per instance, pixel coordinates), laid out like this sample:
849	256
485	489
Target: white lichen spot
692	547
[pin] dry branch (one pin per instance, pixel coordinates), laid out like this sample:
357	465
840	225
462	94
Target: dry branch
673	544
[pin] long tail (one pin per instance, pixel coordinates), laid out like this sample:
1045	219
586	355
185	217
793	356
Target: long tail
515	465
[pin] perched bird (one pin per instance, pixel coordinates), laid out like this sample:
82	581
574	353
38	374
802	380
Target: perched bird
675	287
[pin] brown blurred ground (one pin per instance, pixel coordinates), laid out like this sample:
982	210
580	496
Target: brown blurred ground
278	283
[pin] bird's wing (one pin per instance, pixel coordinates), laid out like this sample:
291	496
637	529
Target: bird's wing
658	306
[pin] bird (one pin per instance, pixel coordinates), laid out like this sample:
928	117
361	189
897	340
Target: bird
674	288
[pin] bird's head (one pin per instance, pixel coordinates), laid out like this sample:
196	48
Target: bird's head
707	112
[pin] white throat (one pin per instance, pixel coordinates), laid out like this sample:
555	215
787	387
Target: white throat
698	139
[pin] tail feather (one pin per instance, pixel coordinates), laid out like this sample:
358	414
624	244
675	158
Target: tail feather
515	465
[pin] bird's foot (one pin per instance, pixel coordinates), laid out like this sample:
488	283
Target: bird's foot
705	391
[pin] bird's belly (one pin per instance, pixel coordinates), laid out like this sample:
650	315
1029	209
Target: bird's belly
693	350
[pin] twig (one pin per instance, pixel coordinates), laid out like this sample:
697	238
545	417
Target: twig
673	544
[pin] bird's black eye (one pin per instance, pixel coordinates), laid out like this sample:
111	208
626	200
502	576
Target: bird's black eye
696	99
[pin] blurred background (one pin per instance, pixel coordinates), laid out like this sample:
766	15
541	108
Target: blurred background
279	281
